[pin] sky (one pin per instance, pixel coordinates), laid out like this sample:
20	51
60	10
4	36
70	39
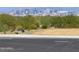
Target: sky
8	9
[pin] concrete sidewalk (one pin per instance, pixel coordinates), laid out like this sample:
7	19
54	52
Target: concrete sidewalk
34	36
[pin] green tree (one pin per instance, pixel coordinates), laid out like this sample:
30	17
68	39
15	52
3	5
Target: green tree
29	22
8	21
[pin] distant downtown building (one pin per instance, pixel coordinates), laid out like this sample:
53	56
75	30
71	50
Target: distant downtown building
41	12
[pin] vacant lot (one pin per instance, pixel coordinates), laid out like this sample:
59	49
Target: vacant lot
57	31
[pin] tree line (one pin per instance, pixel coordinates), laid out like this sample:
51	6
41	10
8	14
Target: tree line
9	22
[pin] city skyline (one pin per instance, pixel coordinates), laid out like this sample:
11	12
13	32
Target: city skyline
42	11
9	9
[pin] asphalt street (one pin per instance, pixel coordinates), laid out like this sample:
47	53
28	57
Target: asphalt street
39	45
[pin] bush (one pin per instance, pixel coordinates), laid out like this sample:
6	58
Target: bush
44	26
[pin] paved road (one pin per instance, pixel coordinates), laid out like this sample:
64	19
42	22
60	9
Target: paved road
39	45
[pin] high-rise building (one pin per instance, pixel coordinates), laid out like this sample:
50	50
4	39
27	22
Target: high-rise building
42	12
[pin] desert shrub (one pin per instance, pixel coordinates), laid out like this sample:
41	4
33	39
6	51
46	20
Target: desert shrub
3	28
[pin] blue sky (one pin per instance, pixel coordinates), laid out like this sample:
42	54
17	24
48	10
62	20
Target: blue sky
8	9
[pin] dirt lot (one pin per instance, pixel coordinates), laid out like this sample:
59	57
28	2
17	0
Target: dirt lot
57	31
50	31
